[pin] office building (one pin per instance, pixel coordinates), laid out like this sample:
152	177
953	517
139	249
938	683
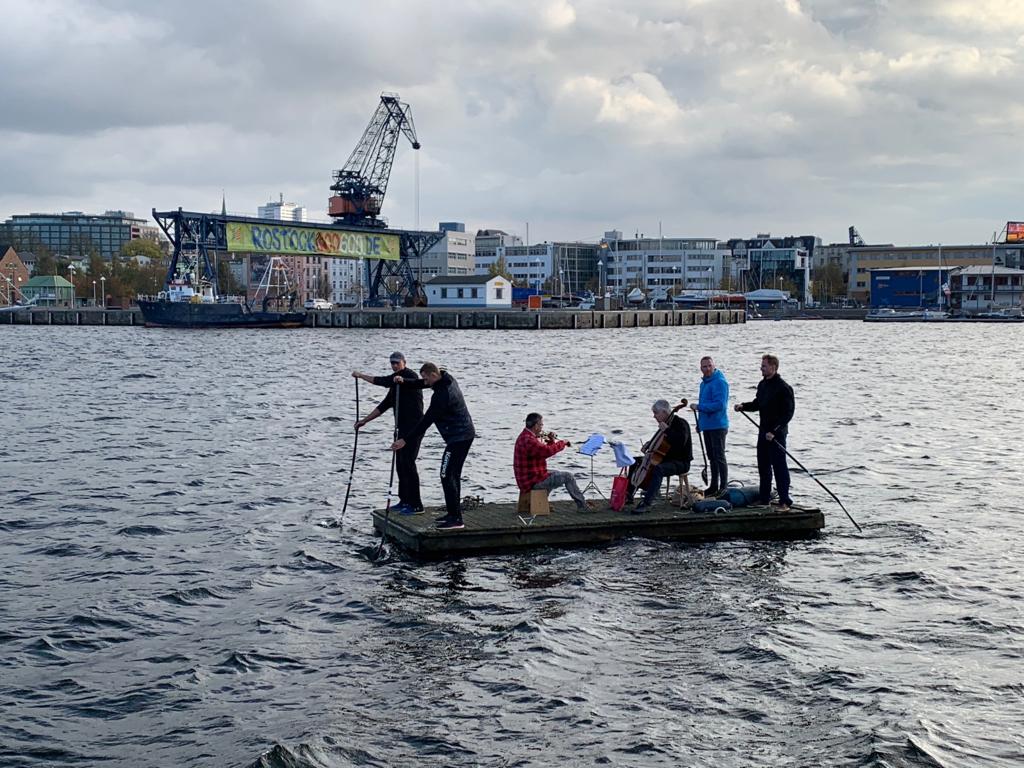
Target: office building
283	211
76	235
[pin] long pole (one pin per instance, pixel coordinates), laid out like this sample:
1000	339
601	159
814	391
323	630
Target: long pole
809	474
391	480
352	467
700	438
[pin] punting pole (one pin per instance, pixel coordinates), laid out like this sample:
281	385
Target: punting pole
391	480
809	473
700	438
352	468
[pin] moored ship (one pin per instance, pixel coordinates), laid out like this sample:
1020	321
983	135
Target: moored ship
181	305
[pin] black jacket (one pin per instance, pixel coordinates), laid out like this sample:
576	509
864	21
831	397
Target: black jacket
679	440
447	411
775	401
410	399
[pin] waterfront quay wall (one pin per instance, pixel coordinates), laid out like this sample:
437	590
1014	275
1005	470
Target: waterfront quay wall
424	318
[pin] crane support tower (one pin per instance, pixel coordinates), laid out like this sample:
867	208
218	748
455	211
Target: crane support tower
360	186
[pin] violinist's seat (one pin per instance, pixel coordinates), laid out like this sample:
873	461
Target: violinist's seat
534	503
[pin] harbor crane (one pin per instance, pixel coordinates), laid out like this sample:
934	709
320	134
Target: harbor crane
360	186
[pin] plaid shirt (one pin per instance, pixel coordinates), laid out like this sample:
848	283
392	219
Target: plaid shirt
530	460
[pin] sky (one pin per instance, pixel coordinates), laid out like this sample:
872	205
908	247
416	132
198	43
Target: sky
706	118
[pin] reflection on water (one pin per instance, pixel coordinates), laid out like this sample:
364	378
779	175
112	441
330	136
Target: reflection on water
176	582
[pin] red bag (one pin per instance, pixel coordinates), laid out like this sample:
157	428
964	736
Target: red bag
620	487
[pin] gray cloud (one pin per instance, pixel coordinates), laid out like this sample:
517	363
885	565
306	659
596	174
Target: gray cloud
715	118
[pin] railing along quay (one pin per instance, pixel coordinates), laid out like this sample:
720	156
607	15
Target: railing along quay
448	318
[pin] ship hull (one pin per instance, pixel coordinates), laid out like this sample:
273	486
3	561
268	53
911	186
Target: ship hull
181	314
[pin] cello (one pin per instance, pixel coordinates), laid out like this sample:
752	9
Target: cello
655	450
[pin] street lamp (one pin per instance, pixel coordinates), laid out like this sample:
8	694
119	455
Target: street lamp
561	284
71	279
94	293
600	277
103	290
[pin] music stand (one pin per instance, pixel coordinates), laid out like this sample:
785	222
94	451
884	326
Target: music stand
589	448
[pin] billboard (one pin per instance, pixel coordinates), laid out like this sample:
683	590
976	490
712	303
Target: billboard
245	237
1015	231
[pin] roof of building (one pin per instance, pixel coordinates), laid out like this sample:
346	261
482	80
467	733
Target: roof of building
461	280
947	268
48	281
988	269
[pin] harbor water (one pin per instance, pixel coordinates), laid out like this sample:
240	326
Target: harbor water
179	587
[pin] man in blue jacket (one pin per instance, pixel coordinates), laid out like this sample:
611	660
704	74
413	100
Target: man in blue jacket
712	413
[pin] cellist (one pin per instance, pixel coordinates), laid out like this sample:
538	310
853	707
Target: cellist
668	453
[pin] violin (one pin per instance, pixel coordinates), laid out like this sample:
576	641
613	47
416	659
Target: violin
655	451
550	437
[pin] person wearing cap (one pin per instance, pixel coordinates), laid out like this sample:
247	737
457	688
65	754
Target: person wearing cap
407	415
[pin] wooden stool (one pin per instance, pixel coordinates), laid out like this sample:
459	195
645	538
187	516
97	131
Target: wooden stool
533	503
684	492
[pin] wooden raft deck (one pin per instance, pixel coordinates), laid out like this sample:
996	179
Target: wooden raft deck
496	527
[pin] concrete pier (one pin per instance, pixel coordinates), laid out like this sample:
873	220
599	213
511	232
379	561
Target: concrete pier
423	318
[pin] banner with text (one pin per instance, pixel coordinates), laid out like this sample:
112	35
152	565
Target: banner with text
244	237
1015	231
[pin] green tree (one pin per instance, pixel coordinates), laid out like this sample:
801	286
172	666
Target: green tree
828	282
324	287
46	264
141	247
499	269
226	282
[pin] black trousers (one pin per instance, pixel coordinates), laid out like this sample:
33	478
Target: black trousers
451	476
714	441
772	458
408	476
658	473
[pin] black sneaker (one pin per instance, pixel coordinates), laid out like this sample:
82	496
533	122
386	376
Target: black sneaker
450	525
440	519
642	509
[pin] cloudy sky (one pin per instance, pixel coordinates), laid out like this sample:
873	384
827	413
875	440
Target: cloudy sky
716	118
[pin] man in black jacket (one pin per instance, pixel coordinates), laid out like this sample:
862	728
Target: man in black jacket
448	412
407	414
676	459
775	401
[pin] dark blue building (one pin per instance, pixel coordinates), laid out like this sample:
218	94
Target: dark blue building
910	287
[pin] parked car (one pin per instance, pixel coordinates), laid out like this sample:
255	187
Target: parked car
318	304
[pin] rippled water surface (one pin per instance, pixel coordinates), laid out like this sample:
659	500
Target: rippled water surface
178	586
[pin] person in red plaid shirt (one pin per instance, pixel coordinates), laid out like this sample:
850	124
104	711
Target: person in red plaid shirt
530	462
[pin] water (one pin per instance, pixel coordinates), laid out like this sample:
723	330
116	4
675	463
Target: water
177	588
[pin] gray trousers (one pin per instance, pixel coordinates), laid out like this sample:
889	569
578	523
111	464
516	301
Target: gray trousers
714	441
557	480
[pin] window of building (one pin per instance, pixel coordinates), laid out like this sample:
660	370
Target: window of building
462	293
444	293
473	293
499	292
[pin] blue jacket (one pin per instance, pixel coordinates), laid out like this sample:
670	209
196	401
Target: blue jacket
713	407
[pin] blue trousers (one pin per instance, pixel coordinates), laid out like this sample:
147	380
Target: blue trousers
771	458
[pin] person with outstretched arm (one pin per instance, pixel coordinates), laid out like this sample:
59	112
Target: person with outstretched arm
447	412
530	457
712	413
776	404
408	412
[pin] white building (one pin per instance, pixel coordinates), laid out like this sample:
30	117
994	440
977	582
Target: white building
283	211
653	264
344	277
469	291
455	254
529	265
